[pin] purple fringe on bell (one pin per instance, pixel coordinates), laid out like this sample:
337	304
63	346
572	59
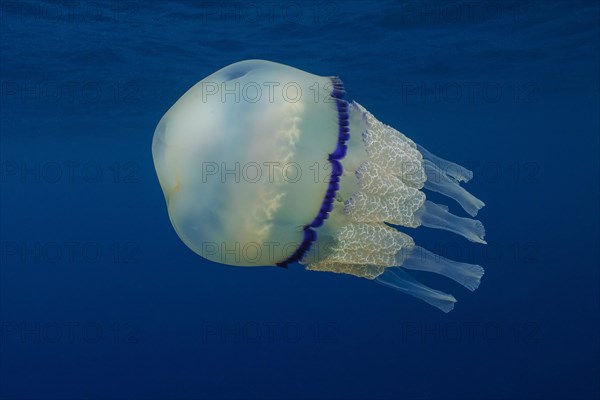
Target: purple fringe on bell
310	235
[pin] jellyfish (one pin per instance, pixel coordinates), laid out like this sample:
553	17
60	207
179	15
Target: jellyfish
263	164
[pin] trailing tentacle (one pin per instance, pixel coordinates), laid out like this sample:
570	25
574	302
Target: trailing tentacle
388	182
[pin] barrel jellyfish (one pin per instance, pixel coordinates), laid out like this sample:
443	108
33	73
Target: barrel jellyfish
263	164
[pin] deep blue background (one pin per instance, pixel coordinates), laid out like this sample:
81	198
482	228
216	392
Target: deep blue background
509	89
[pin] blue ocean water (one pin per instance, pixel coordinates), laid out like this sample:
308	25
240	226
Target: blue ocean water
99	299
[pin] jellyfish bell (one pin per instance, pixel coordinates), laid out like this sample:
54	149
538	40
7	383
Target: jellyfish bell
232	156
264	164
